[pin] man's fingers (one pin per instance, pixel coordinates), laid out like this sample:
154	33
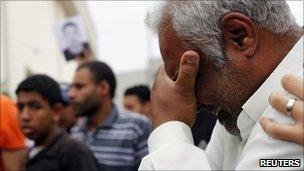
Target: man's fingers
276	130
279	102
293	84
160	78
188	70
161	72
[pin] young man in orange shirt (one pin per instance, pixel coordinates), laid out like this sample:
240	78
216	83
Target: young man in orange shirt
12	140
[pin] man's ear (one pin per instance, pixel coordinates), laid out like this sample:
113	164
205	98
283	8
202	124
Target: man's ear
104	88
147	107
240	36
147	104
57	108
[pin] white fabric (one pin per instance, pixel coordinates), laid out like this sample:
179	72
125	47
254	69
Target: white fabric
171	144
35	150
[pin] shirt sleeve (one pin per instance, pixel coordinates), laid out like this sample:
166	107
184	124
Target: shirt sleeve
261	146
171	148
77	157
11	136
142	145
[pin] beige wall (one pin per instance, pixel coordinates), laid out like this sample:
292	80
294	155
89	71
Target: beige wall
128	79
2	50
29	43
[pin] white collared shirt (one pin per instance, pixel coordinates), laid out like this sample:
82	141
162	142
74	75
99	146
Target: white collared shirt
171	144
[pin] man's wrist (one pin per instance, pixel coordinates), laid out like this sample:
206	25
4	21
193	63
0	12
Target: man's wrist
169	133
159	122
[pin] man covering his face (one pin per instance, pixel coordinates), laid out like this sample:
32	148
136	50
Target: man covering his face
225	56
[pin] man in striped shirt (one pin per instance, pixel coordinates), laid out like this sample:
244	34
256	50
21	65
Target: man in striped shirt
118	140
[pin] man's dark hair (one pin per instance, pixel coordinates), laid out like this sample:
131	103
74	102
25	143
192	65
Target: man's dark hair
142	91
44	85
101	71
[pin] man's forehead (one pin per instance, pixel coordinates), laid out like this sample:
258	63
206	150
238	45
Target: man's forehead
27	96
132	97
83	75
171	48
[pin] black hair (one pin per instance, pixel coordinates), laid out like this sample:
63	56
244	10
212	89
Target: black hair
142	91
101	71
44	85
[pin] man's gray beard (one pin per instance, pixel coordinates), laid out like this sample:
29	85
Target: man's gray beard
229	121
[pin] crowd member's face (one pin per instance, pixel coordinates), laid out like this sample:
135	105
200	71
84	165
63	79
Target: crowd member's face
84	93
215	88
68	118
132	103
37	117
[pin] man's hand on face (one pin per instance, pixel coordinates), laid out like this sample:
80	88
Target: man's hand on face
175	100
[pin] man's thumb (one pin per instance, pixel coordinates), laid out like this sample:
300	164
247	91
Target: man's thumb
188	70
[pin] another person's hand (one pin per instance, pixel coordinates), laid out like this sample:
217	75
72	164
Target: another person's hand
83	57
295	132
175	100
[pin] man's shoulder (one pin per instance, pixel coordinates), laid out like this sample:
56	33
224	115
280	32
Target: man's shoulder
132	117
134	121
67	144
262	146
79	127
259	135
70	154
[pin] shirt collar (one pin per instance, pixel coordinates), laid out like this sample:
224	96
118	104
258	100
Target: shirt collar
111	118
82	126
49	150
258	102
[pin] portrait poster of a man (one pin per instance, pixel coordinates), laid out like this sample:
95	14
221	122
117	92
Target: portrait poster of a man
72	37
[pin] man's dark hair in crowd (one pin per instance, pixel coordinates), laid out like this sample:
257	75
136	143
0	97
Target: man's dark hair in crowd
40	103
43	85
101	71
141	91
137	99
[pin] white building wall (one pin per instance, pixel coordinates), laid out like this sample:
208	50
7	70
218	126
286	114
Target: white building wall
3	50
126	80
129	79
30	44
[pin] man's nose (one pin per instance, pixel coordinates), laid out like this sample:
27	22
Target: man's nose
72	93
25	114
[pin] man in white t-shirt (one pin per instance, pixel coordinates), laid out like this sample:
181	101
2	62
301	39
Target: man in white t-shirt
239	51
